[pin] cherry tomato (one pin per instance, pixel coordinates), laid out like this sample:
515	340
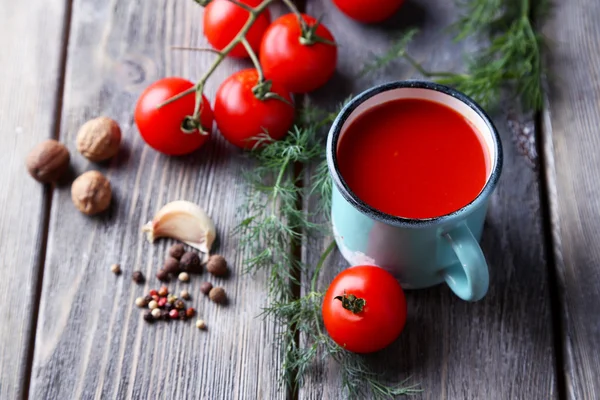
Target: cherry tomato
241	116
364	309
368	11
223	20
161	127
300	67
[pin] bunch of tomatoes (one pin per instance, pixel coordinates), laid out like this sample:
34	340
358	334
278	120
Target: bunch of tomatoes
296	53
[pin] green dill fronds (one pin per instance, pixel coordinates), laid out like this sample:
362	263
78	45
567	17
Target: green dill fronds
397	50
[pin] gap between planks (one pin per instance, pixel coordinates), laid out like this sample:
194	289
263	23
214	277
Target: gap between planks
47	200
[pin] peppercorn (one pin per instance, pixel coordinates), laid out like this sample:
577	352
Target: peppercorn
217	294
217	265
148	299
162	301
185	294
116	269
176	251
172	265
141	302
163	276
200	324
155	297
179	304
156	313
190	312
153	292
163	291
174	314
171	299
153	304
148	316
184	277
205	287
138	277
190	262
168	306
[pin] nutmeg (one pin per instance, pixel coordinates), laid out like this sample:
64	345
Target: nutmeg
99	139
217	265
91	192
48	161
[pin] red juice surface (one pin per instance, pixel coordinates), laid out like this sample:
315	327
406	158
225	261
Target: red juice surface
413	158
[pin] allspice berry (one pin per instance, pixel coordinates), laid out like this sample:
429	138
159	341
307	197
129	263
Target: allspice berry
163	276
217	265
176	251
48	161
99	139
217	294
190	262
138	277
91	193
205	287
172	265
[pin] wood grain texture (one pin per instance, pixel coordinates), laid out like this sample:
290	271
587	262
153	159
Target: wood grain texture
502	346
571	145
30	64
91	340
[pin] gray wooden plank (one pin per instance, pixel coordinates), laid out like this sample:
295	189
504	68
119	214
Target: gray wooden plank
92	341
571	123
31	38
502	346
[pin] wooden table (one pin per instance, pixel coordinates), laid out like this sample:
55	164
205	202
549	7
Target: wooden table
68	327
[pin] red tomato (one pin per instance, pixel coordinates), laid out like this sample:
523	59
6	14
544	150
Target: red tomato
380	320
301	68
368	11
161	127
223	20
241	116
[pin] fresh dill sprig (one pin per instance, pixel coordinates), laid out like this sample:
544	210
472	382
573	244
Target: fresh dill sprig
397	50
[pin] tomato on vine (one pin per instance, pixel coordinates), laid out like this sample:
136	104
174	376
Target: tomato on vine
224	19
364	309
245	109
302	57
161	128
368	11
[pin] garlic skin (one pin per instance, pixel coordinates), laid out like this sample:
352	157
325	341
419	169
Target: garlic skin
184	221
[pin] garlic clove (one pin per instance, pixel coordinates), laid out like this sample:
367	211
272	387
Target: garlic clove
184	221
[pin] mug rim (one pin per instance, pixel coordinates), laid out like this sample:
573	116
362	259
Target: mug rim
356	202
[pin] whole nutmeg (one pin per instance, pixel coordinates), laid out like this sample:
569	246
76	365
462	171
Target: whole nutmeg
217	265
190	262
99	139
217	294
91	192
172	265
48	161
176	251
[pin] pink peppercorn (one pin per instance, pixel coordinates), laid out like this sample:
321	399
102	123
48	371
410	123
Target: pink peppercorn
174	314
153	292
162	301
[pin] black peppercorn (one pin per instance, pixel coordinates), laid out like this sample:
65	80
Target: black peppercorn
205	287
176	251
190	262
163	276
179	304
172	266
148	316
148	298
138	277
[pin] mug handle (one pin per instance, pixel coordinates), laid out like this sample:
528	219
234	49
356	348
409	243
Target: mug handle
470	279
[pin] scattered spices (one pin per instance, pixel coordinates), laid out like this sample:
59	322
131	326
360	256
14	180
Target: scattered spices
176	251
217	265
156	313
190	262
163	276
184	277
99	139
217	294
200	324
172	265
91	192
171	299
185	294
179	304
168	306
138	277
174	314
148	298
153	292
190	312
148	316
163	291
155	297
48	161
153	304
141	302
115	269
162	301
205	287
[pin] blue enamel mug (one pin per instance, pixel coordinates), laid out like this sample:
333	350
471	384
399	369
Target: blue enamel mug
418	252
